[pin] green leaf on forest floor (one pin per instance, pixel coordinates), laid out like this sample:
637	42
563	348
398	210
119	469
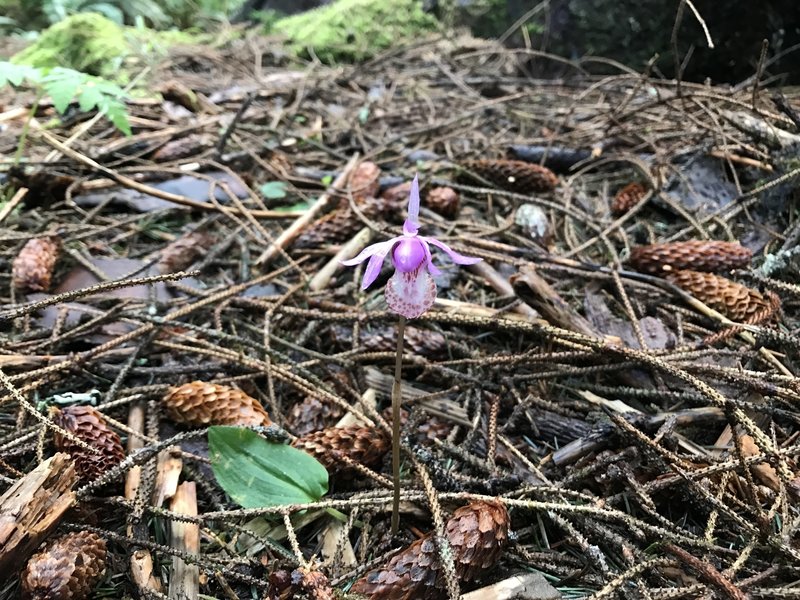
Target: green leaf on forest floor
67	85
273	190
256	473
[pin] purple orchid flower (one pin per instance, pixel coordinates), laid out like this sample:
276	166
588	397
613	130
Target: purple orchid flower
411	290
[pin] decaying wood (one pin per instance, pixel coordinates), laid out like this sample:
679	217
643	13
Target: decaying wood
535	291
184	582
141	560
531	586
761	129
32	507
336	546
168	472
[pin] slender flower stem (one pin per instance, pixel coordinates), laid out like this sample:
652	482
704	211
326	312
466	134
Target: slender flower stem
396	397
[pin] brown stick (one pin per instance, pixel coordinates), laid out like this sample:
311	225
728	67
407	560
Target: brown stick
707	573
184	583
146	189
501	285
32	507
323	277
291	232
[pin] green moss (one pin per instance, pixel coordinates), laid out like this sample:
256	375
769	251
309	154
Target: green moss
354	29
86	42
90	43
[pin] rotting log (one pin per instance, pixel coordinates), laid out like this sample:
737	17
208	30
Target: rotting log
32	507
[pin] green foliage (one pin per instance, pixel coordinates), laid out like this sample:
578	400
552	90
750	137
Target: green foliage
67	85
257	473
355	29
87	42
273	190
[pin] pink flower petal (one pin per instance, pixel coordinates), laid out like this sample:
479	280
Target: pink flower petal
411	225
457	258
377	254
411	294
373	269
369	251
432	268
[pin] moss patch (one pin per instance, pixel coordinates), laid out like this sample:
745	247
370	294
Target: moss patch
355	29
90	43
86	42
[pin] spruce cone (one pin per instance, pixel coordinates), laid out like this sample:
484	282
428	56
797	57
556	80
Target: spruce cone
735	301
425	432
33	267
88	425
699	255
365	180
514	175
313	414
397	194
341	224
199	403
627	198
66	569
184	147
300	583
477	534
364	445
182	252
444	201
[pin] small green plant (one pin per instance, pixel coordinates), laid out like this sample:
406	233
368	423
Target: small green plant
257	473
67	85
273	190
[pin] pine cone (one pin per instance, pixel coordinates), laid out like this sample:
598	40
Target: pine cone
199	403
313	414
699	255
181	253
341	224
444	201
397	195
425	432
33	267
301	582
732	299
365	180
66	569
88	425
627	198
364	445
477	534
514	175
183	147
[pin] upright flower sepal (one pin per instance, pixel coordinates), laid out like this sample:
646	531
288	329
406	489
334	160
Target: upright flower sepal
411	290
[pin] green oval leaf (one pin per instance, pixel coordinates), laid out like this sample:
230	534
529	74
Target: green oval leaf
256	473
273	190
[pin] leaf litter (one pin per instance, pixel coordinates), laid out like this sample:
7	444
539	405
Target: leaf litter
633	440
